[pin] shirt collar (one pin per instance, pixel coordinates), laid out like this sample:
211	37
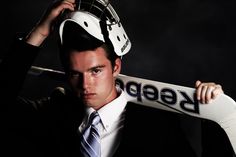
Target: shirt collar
112	111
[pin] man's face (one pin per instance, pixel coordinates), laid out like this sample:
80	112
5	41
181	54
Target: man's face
92	77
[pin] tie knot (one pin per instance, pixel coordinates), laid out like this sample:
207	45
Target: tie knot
94	118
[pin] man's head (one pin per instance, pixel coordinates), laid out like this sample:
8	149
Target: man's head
90	64
92	42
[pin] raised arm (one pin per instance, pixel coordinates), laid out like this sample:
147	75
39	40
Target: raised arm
47	23
16	63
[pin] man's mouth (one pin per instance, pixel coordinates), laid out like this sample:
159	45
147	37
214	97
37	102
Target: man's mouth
87	96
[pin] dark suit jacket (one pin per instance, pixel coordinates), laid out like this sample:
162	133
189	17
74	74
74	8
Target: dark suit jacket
51	130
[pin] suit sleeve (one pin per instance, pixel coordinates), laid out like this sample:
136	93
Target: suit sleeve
14	67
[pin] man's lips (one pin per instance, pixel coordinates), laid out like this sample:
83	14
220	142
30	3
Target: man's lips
88	95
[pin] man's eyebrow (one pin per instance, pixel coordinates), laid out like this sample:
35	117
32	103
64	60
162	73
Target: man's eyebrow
96	67
90	69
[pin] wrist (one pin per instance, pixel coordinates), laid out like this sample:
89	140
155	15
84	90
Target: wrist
35	37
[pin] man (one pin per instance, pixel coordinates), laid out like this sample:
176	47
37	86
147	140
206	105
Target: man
55	126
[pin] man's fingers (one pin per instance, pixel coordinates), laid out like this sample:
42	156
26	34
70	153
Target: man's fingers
69	1
206	92
217	90
209	94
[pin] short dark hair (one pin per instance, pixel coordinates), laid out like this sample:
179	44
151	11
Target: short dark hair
74	37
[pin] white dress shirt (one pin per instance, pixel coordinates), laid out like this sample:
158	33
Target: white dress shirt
112	122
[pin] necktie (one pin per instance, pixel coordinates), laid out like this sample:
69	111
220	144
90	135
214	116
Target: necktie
90	142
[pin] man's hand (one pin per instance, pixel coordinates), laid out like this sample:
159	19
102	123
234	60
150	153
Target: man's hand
207	91
45	26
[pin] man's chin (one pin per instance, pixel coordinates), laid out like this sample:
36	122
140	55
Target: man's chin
87	103
90	104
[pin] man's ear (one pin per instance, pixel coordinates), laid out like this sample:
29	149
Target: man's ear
117	67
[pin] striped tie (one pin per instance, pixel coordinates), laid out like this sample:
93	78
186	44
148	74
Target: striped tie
90	143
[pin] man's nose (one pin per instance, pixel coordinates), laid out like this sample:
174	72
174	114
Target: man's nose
86	81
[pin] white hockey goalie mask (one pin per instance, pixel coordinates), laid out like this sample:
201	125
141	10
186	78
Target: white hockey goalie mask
100	20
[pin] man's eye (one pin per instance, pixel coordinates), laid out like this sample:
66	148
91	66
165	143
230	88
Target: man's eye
96	71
